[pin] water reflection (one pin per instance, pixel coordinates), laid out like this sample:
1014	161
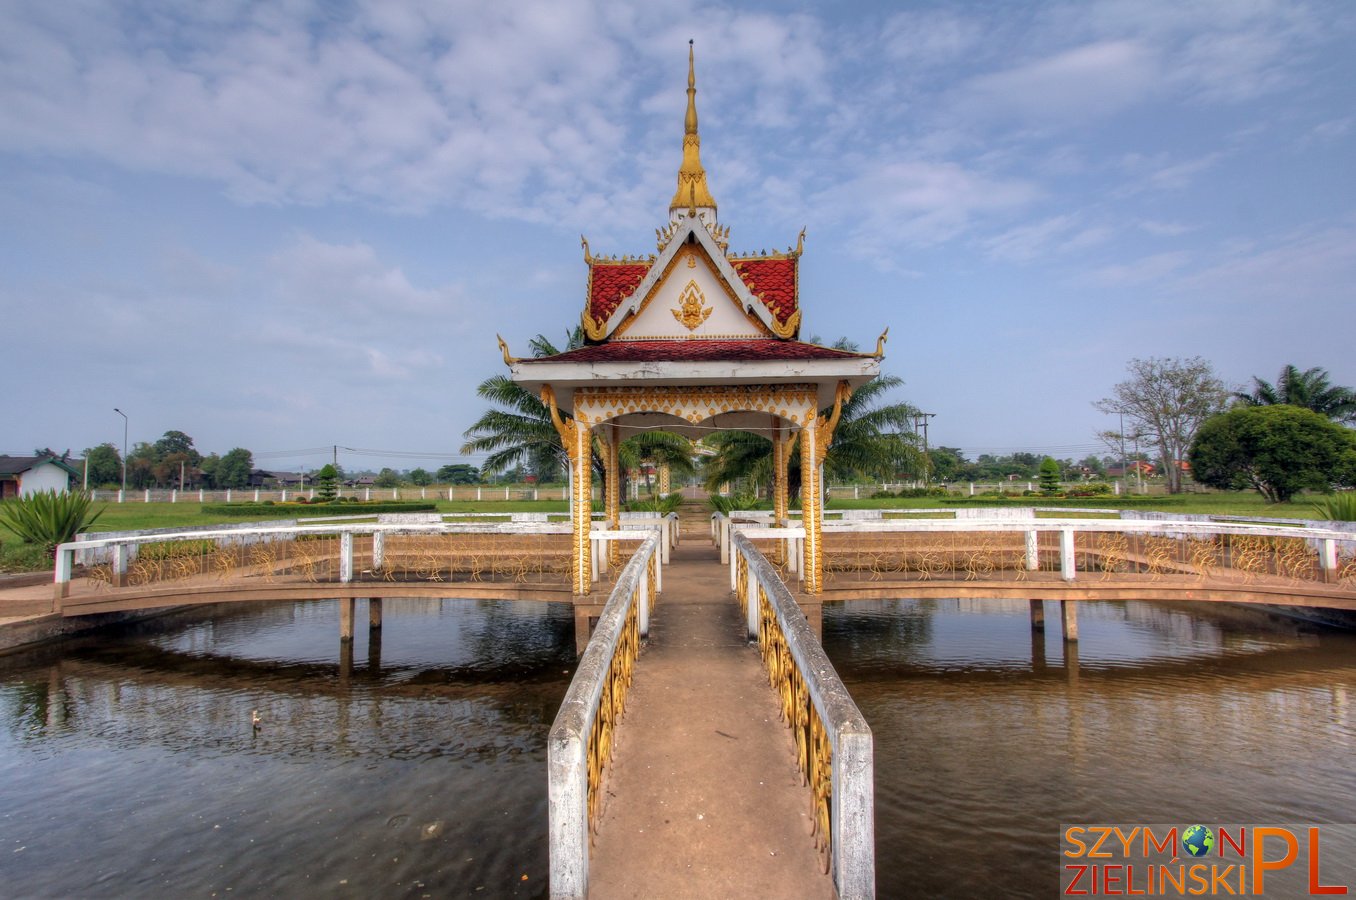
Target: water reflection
988	735
406	762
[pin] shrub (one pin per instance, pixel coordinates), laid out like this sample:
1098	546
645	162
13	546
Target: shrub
662	505
47	518
1337	508
723	504
883	495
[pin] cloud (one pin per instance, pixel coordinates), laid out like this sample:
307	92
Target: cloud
1144	270
1058	234
1096	79
916	202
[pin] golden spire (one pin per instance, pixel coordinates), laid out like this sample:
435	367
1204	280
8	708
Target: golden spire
692	191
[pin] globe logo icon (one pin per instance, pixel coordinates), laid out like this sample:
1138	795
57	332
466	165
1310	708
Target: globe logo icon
1198	840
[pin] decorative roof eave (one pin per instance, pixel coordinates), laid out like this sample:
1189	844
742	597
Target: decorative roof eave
692	225
565	377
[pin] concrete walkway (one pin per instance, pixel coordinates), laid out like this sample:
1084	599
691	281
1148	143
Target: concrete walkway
703	799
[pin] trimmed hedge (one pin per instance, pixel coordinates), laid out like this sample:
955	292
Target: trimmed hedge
1036	499
297	510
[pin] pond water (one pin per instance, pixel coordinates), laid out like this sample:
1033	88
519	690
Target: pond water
415	767
988	737
411	767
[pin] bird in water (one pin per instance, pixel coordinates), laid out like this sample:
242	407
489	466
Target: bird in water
256	720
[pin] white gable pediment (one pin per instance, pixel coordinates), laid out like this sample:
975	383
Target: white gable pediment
690	300
691	275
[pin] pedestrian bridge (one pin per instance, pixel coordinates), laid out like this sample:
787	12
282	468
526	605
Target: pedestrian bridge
731	619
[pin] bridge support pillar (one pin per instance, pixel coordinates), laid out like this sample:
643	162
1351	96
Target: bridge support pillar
814	614
585	618
1068	613
374	612
346	606
1037	615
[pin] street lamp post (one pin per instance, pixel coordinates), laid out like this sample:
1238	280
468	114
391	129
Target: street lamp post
124	448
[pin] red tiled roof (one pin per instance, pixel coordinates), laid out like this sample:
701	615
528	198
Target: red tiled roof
773	281
699	351
610	283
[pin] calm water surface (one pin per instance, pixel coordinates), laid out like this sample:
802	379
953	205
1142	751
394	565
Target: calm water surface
415	767
987	738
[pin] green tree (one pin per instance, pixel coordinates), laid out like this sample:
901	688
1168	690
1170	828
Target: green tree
1167	400
233	470
1311	389
946	463
105	465
420	478
657	448
873	440
1049	476
1279	450
327	482
458	473
518	432
387	478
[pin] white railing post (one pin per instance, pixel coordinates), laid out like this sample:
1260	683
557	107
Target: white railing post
1033	552
63	565
643	601
755	609
378	549
121	554
147	498
1068	562
346	557
1328	559
120	495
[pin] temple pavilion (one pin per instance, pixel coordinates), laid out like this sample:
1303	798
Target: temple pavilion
696	339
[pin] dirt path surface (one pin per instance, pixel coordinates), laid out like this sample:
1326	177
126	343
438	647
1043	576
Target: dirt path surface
703	799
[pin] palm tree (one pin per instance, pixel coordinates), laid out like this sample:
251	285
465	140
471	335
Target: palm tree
872	439
1311	389
519	431
659	448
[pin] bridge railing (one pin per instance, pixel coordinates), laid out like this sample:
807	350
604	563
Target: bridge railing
834	745
980	544
174	562
579	747
978	550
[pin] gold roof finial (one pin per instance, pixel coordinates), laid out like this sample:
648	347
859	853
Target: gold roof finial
692	190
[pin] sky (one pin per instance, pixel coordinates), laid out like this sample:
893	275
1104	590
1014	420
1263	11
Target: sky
290	225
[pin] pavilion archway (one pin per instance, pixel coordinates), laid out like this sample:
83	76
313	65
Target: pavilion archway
779	412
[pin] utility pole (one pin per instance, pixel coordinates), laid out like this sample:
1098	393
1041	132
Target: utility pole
1125	475
920	420
124	450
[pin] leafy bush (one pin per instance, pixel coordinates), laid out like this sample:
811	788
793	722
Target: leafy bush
1337	508
662	505
47	518
883	495
727	504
